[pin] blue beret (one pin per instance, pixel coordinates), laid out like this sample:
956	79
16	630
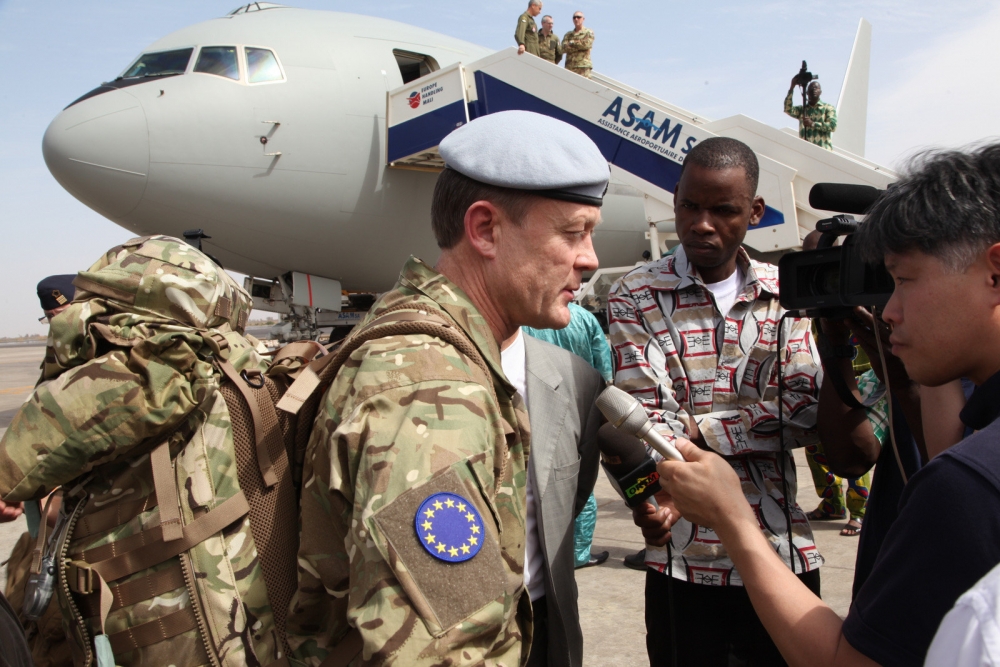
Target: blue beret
56	291
528	151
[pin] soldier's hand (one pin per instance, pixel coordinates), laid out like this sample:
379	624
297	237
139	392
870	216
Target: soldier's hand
807	122
656	522
520	49
10	511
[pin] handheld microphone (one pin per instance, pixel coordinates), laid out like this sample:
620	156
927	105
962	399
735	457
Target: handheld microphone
625	413
631	470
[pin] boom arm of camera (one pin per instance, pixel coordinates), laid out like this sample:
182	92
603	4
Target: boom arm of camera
804	78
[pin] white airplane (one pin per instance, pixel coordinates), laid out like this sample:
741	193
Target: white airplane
304	144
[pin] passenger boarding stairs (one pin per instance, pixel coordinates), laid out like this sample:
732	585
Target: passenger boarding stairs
643	138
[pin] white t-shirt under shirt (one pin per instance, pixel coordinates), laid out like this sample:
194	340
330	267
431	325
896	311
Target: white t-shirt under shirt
726	291
514	366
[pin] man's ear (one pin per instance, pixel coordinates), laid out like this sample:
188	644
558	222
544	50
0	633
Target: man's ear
756	211
993	266
481	227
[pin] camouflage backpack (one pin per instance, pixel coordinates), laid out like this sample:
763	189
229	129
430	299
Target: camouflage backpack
175	545
178	537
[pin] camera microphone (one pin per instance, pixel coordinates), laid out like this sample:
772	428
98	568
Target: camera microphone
627	414
843	197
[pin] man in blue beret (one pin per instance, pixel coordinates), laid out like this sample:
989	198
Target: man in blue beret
412	550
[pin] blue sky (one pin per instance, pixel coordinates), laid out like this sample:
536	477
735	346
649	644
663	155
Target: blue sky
929	63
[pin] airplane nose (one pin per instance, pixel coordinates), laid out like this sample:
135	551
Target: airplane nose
98	150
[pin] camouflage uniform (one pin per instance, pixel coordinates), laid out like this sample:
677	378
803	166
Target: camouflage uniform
127	367
526	34
405	416
823	116
577	45
549	47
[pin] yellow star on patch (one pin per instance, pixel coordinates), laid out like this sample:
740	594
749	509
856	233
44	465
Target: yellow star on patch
475	529
440	547
426	525
465	548
470	516
461	507
429	538
438	505
473	541
453	552
429	514
449	502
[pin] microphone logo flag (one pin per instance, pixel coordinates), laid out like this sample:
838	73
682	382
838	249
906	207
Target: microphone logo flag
449	527
642	484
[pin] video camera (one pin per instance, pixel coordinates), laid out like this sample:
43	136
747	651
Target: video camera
803	77
831	280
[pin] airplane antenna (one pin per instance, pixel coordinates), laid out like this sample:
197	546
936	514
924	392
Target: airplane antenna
193	237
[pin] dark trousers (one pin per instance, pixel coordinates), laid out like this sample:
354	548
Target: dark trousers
540	634
713	625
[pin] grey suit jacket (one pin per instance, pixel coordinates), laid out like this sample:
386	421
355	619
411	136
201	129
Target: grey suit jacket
563	463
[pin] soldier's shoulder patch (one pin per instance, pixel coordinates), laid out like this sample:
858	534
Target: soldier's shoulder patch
449	527
444	590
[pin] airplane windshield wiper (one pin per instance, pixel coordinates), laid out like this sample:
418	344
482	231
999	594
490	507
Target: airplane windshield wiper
150	75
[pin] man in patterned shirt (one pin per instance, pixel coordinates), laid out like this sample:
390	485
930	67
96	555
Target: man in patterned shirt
695	338
817	120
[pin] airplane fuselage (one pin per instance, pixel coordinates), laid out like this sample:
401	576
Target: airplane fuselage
286	174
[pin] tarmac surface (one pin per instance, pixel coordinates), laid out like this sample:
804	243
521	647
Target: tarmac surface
611	595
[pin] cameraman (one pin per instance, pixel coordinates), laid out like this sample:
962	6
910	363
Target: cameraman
817	119
938	230
850	444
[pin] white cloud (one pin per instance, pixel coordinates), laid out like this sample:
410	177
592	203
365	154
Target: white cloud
946	95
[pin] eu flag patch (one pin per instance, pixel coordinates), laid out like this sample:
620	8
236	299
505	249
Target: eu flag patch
449	527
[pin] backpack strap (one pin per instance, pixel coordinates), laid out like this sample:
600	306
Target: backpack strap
403	320
147	548
166	492
39	551
85	577
301	351
265	419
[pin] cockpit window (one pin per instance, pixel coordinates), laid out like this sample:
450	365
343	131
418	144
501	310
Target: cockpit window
218	60
262	66
414	65
163	63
